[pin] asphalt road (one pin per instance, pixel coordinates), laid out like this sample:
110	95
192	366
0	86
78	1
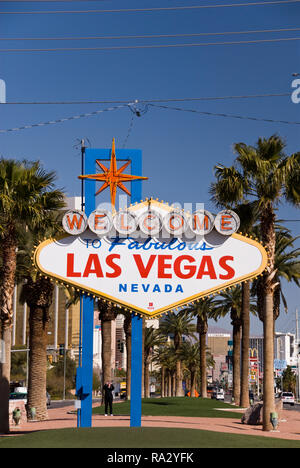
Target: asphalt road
292	408
65	403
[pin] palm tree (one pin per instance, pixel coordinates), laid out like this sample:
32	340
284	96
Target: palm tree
190	356
287	264
265	174
231	302
37	292
27	193
165	357
153	339
203	311
178	325
248	214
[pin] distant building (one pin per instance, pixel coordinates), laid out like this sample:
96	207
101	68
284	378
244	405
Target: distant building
256	352
286	348
217	343
63	327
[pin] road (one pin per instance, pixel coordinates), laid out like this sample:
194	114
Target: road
292	408
65	403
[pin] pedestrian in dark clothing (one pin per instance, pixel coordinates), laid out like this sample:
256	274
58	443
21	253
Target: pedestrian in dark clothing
108	397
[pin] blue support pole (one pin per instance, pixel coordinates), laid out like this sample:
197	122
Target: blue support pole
136	323
136	371
86	378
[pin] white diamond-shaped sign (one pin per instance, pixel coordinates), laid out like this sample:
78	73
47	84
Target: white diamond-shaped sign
151	275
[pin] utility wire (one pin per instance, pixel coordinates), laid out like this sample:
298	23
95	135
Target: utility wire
148	36
232	116
153	46
146	10
132	106
53	122
147	101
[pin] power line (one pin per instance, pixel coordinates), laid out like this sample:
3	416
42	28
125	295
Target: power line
153	46
53	122
146	10
147	101
148	36
231	116
131	105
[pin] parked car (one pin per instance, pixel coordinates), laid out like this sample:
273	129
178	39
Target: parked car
23	397
288	398
18	396
218	395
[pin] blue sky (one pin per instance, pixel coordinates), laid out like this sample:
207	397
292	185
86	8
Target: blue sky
180	148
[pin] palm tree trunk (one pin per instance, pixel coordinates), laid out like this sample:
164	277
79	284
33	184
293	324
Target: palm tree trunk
106	350
179	389
4	382
127	330
163	373
202	328
8	270
170	383
37	381
107	315
268	234
173	384
193	383
244	402
147	378
236	362
38	295
268	386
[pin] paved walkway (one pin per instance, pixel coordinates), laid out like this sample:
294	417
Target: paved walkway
289	427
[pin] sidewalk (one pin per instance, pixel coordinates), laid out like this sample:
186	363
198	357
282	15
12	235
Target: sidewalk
61	418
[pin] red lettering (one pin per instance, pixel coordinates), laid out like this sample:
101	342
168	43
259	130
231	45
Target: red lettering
223	264
116	268
99	224
162	266
70	267
225	225
144	270
189	269
206	262
93	267
200	223
75	221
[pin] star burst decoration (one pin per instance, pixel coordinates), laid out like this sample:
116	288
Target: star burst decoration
112	177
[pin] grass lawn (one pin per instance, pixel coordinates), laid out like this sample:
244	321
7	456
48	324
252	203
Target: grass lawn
140	438
189	407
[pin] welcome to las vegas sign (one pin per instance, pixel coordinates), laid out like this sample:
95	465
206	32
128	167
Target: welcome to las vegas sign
151	259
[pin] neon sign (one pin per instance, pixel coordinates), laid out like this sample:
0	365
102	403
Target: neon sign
151	223
151	259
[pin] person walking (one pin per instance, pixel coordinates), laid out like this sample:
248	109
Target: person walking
108	397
